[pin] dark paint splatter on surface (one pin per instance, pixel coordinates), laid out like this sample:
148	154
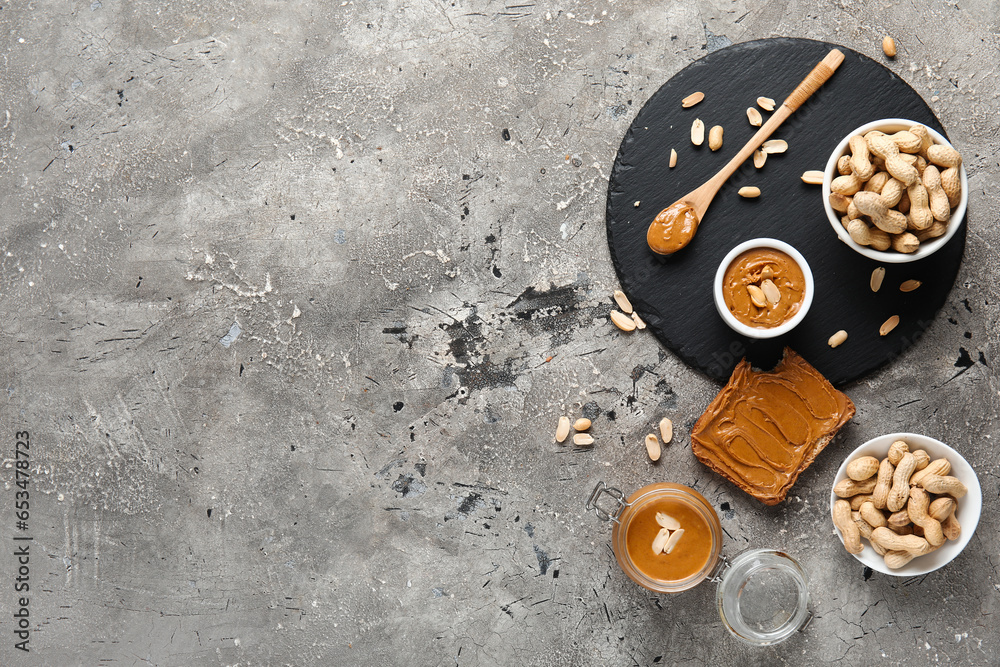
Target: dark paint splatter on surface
529	529
469	504
964	360
505	134
397	406
543	559
421	468
408	485
868	573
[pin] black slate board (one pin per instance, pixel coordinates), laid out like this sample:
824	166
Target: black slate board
674	294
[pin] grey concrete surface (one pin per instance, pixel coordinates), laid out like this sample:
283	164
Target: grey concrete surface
290	323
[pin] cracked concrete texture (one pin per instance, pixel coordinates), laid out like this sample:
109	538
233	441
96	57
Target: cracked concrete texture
400	206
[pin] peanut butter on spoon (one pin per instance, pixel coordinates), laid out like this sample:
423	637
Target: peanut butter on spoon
675	226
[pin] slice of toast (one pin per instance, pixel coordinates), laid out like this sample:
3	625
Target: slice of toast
764	428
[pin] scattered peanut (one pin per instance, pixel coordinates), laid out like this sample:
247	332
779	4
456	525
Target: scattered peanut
583	439
909	285
878	274
754	116
774	146
889	46
562	430
639	322
837	339
673	158
666	430
581	424
749	192
697	132
653	447
765	103
813	177
692	99
623	302
888	325
759	158
622	321
715	137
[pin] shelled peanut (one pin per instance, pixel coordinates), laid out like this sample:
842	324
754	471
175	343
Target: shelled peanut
904	505
896	191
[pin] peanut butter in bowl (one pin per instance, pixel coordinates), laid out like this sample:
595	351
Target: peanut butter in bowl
763	288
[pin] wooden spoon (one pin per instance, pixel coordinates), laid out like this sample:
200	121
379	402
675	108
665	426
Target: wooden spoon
675	226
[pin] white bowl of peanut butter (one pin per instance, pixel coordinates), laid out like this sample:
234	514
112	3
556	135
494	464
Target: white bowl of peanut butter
928	245
763	288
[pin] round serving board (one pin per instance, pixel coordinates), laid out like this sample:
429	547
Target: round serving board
674	294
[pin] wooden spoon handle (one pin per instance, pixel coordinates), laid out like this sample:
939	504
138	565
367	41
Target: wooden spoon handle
817	77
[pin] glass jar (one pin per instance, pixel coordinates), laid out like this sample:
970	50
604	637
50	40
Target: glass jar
696	555
763	594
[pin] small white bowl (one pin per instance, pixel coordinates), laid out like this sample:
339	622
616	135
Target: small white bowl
755	332
890	125
969	506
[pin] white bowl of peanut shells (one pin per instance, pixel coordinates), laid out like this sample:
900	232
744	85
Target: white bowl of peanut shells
905	504
895	190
